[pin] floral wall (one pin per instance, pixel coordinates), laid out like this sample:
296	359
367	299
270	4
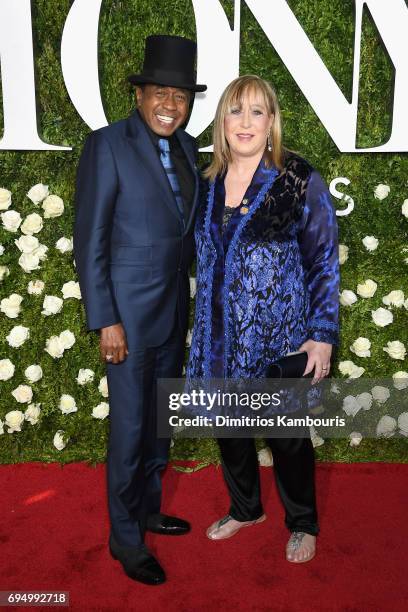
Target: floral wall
54	402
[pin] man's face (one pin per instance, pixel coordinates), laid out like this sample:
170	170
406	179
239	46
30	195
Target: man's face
163	108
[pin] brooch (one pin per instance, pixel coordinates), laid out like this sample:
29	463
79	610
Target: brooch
244	209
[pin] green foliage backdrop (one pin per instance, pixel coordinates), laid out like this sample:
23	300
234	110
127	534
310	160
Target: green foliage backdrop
123	27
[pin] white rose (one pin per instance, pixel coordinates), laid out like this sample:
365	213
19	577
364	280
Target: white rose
351	406
11	306
32	413
404	208
71	289
317	441
53	206
6	369
35	287
265	457
343	253
386	426
356	372
54	347
1	249
382	317
347	297
14	420
403	422
23	394
370	243
396	350
189	337
85	376
41	252
18	335
67	404
58	440
400	380
67	339
38	193
64	245
381	191
5	198
103	387
101	411
361	347
4	272
32	224
380	394
52	305
355	438
27	244
193	287
367	289
11	220
364	400
29	262
33	373
394	298
348	368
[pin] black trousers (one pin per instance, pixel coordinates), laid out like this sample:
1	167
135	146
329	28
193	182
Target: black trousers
294	466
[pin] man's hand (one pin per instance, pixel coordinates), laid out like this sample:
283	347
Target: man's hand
112	344
319	354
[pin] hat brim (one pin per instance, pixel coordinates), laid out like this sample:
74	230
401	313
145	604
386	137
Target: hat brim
138	79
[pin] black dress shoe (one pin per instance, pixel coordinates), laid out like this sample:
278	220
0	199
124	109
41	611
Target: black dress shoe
167	525
138	563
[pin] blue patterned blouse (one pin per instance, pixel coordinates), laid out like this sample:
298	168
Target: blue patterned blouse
270	280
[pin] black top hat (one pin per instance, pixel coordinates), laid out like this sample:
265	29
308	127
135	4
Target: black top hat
169	60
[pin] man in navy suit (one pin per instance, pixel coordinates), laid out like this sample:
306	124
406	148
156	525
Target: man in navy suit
136	197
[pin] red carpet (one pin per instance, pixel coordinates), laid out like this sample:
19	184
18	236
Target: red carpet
54	530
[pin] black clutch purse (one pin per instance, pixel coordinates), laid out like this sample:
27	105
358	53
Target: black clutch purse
290	366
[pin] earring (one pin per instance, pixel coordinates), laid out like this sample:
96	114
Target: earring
269	142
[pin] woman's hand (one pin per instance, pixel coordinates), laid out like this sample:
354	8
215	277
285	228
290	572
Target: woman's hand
319	354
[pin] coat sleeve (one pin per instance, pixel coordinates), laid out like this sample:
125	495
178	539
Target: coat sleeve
96	189
318	241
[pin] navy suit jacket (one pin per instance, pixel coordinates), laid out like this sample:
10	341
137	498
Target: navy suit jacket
131	252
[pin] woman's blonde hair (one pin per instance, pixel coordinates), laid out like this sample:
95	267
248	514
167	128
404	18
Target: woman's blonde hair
233	94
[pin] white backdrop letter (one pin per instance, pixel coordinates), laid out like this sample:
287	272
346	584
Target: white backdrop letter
79	61
17	74
339	116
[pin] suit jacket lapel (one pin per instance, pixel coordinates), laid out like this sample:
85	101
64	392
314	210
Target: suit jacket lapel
141	142
190	154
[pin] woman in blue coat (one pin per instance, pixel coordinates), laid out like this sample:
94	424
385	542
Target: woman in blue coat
267	285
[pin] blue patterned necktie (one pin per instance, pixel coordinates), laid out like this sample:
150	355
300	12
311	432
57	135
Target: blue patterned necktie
171	173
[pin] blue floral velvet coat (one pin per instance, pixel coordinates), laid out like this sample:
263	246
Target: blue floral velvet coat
271	280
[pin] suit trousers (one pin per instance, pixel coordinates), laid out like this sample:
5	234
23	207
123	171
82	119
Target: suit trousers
136	457
293	464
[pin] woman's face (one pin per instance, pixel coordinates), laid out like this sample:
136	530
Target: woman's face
247	125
